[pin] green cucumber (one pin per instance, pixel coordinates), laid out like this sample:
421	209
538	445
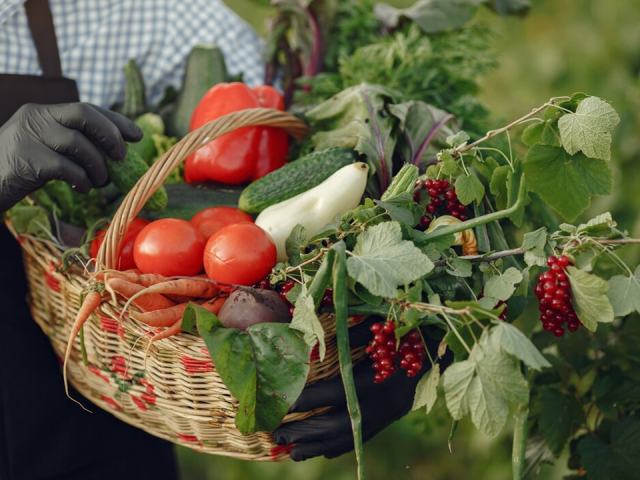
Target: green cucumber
125	174
294	178
150	124
205	68
187	199
135	100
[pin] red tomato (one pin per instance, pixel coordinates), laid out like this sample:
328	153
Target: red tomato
239	254
170	247
125	260
210	220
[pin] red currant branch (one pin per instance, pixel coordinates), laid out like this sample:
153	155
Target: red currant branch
495	133
520	251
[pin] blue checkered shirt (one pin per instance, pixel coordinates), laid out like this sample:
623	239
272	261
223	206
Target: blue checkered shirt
96	38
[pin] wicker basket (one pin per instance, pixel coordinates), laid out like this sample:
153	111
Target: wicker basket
177	394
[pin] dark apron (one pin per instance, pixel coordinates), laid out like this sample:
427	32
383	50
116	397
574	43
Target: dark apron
43	434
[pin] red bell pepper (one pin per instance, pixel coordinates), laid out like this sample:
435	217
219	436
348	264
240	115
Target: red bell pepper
245	154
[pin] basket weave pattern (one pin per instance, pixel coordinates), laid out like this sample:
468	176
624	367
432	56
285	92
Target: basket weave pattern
175	392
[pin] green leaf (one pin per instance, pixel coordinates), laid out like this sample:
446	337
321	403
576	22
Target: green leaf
502	286
484	386
589	128
532	134
590	298
427	389
265	368
469	188
431	16
512	341
382	261
624	293
566	182
449	165
533	245
600	225
617	459
294	243
498	185
32	220
459	139
558	413
306	321
458	267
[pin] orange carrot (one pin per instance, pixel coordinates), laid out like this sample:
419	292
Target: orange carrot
143	279
146	302
169	332
168	316
185	286
90	302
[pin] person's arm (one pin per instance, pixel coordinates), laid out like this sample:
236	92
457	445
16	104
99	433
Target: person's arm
64	142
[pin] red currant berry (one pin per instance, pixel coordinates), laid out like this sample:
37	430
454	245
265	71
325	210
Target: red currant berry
573	326
564	261
416	197
383	352
450	195
380	338
556	303
425	221
377	378
376	328
558	332
417	366
410	357
291	309
552	260
389	328
561	276
411	373
431	208
436	201
428	183
464	217
377	366
404	364
549	286
433	192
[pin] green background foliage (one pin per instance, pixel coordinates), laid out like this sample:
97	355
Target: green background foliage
561	47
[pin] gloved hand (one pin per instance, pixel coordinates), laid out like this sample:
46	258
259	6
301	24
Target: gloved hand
381	404
46	142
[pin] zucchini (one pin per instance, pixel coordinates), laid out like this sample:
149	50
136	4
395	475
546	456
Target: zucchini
187	199
403	182
150	124
135	100
294	178
205	68
125	174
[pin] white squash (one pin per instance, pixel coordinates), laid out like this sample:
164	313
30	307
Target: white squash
315	208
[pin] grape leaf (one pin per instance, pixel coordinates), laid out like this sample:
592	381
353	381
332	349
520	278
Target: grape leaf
305	320
459	267
558	413
590	298
265	367
589	128
624	293
502	286
512	341
381	260
566	182
618	459
427	389
469	188
484	386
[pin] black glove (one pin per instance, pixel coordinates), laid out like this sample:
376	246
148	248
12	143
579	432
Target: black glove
381	404
46	142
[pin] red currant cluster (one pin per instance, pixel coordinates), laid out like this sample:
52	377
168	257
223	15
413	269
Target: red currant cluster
382	350
441	191
554	296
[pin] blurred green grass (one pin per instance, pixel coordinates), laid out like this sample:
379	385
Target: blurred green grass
560	48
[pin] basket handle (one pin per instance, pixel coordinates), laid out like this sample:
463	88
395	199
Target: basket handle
158	172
